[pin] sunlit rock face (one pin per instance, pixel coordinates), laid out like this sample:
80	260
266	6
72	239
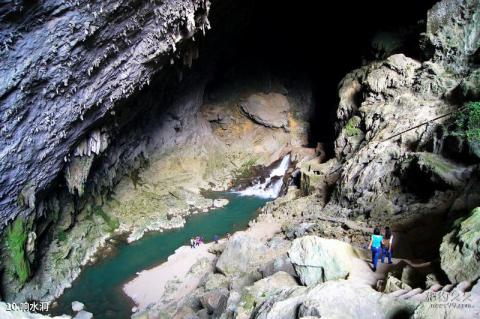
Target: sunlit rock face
65	65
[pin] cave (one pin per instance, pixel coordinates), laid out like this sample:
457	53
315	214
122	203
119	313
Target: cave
125	125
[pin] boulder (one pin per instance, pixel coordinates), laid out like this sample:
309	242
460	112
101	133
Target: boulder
239	281
215	301
318	259
77	306
270	109
261	290
213	281
240	255
281	263
220	202
82	314
460	249
334	299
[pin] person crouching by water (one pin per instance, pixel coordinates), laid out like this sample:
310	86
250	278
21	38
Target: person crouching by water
375	246
387	245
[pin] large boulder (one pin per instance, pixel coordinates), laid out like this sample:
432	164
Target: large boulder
215	301
270	109
241	254
257	293
333	299
460	249
281	263
318	259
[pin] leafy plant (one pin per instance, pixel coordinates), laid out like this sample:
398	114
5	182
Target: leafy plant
351	128
467	122
247	167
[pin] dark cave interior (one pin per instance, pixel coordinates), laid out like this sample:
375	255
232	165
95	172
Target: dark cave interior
304	41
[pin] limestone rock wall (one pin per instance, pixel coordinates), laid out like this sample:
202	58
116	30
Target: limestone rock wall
379	124
65	65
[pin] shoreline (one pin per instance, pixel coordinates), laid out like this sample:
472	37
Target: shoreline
182	264
106	245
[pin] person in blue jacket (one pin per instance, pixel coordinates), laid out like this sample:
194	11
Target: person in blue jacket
375	246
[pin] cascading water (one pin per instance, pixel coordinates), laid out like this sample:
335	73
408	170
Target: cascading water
272	185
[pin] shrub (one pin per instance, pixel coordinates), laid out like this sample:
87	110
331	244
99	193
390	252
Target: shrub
352	127
467	122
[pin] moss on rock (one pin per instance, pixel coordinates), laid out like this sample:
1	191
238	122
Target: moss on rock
16	239
112	222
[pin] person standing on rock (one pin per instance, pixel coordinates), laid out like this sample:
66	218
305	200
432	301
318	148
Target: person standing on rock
387	245
375	246
192	243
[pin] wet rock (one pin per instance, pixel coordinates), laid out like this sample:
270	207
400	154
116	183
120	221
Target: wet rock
460	249
220	202
270	109
77	306
318	259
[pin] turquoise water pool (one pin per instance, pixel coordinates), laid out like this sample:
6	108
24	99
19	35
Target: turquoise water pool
99	286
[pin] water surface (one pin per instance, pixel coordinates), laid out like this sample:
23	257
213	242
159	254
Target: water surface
99	285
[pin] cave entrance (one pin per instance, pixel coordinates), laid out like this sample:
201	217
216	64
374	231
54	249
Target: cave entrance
306	47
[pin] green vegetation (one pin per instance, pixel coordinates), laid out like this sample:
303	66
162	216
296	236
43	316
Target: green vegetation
61	235
468	122
247	168
112	222
248	301
16	238
351	128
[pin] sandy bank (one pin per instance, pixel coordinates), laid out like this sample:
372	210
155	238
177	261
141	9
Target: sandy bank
182	272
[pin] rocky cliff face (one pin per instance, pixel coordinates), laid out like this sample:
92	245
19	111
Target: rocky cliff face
83	60
133	133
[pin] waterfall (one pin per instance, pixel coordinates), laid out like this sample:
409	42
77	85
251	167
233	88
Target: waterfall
272	185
